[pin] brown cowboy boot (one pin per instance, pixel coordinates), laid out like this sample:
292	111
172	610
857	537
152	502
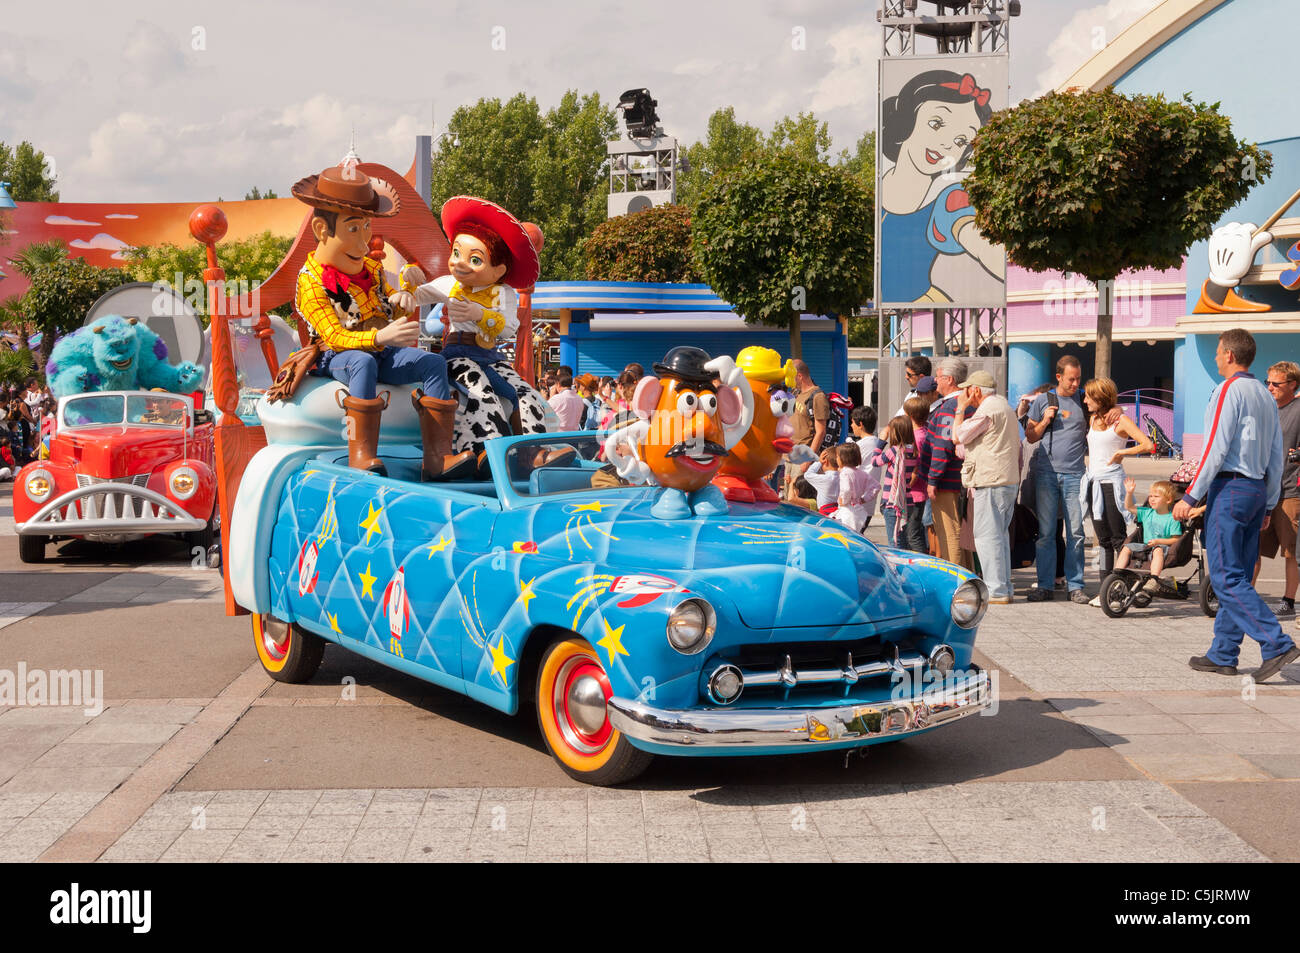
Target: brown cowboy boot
437	419
363	432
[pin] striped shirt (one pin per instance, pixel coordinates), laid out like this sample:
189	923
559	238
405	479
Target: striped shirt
944	470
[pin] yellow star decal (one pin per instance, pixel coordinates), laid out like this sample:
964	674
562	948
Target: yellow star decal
500	660
442	543
371	523
334	622
526	591
309	472
612	641
595	506
834	535
367	583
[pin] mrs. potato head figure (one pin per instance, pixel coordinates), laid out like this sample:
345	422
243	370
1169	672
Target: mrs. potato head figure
741	477
348	303
688	421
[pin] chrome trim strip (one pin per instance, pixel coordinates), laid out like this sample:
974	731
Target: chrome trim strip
157	514
799	727
787	676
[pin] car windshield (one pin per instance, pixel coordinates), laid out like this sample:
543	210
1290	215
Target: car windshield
90	410
570	464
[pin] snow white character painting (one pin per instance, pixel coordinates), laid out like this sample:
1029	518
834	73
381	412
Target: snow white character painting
931	251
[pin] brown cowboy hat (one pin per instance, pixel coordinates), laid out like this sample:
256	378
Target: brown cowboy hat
343	190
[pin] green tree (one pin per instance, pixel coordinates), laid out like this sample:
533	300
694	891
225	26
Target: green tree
1099	183
725	144
570	182
24	168
782	235
486	152
804	135
13	318
861	162
247	263
60	294
255	193
15	367
652	245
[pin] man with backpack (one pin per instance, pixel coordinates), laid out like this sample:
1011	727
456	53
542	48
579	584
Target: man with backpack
812	412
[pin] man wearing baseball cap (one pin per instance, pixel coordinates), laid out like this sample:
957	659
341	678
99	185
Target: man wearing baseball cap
989	445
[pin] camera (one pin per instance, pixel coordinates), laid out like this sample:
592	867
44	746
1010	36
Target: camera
1293	455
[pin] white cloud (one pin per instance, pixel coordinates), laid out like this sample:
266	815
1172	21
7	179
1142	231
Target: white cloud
853	76
120	215
1086	34
103	241
65	220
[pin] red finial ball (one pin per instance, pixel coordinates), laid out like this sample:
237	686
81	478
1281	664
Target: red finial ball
535	236
208	224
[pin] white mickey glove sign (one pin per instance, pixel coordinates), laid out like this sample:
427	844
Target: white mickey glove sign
1232	252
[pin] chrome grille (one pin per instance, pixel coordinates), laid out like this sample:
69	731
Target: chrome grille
139	479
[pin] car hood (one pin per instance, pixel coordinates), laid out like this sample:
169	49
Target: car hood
778	565
116	450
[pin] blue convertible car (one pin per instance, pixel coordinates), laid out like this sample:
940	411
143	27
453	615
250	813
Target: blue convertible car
762	631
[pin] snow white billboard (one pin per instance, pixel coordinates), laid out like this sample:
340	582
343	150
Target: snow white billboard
929	252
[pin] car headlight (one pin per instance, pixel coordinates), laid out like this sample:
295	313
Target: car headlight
969	602
39	484
690	626
183	482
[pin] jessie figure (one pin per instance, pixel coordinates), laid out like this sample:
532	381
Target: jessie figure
492	254
348	302
741	477
687	422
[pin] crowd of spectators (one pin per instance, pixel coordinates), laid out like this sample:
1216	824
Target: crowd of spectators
26	417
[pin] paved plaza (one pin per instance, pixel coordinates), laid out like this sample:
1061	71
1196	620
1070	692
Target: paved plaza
1104	746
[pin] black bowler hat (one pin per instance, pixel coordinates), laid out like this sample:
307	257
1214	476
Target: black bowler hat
686	364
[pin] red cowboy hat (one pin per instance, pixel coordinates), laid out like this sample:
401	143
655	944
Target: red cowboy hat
466	209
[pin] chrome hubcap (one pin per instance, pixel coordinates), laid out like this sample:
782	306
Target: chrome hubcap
275	637
586	703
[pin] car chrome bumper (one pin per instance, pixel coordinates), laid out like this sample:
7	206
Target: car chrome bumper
110	508
802	727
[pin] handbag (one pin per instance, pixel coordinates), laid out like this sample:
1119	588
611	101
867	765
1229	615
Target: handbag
292	372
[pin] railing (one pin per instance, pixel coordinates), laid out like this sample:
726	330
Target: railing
1157	406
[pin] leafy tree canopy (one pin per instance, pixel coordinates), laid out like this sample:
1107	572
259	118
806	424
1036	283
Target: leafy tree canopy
783	234
24	168
548	169
61	293
651	245
247	263
1098	183
255	193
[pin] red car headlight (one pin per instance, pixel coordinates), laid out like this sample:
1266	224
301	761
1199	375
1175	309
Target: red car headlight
38	485
183	482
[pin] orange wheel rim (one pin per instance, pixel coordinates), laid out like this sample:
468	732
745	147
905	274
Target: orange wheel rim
571	696
273	640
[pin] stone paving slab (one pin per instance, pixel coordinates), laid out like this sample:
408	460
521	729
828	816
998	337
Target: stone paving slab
1119	821
11	612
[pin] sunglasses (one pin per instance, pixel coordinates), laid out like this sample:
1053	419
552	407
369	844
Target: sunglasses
1279	383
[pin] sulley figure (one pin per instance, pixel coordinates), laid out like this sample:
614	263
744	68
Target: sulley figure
116	353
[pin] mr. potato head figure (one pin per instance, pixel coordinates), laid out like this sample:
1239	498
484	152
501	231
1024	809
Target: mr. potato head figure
741	477
689	417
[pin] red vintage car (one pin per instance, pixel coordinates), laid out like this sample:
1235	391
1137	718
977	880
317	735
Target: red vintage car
122	465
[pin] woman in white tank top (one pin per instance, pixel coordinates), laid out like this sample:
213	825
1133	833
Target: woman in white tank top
1102	489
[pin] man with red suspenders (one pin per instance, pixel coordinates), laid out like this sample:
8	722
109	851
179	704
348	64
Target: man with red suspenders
1240	479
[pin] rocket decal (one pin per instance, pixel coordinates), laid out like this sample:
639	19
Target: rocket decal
397	609
307	574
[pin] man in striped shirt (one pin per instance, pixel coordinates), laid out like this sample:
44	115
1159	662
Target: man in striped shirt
944	474
1240	479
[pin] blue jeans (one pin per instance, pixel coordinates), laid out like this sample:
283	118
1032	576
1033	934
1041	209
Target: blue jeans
360	371
991	524
1232	525
1050	490
891	520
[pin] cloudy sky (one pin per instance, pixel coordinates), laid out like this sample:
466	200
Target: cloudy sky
175	100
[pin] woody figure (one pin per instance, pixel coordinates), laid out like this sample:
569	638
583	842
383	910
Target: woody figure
348	302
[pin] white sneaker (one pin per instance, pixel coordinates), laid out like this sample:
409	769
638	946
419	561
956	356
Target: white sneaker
1095	601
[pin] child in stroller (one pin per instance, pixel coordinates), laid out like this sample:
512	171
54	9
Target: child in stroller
1164	543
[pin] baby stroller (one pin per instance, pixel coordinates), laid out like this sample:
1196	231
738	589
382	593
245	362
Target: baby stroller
1127	587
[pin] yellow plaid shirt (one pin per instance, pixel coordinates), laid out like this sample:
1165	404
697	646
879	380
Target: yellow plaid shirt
344	332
